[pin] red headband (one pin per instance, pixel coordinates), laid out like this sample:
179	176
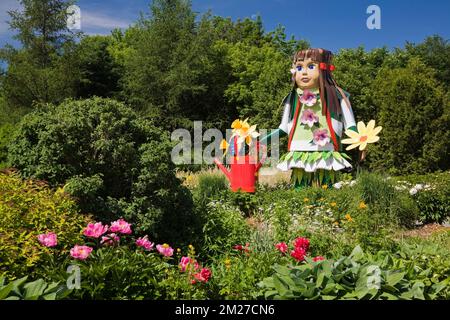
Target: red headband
324	66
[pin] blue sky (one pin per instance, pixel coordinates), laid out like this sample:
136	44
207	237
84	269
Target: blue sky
333	25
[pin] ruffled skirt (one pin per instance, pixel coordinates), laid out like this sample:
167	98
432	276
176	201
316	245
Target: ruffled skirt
311	161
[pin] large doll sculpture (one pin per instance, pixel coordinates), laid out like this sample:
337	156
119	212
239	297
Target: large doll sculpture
316	114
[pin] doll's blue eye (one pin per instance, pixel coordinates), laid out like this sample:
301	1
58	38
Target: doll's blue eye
299	68
311	67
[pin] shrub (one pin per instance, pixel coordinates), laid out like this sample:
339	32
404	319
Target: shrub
6	132
430	192
386	206
124	273
114	162
210	185
224	226
114	264
27	209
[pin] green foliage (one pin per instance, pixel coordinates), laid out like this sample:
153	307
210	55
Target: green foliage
431	193
99	71
36	290
435	52
117	273
246	202
210	185
355	67
43	69
28	209
6	132
386	206
224	227
409	101
262	79
360	275
236	273
115	163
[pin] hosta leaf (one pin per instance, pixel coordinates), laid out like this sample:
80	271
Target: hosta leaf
279	286
388	296
35	289
393	278
4	291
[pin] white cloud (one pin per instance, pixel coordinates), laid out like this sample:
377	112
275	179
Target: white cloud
91	21
94	20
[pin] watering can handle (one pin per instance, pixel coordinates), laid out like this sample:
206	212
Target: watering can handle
222	167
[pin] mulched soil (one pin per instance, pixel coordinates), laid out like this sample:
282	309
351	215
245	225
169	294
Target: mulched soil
426	231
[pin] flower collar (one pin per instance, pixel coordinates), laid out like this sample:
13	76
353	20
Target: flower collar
300	91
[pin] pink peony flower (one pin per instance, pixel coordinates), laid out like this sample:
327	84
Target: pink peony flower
301	243
95	230
321	137
48	239
309	117
309	98
110	239
282	246
186	261
80	252
164	249
121	226
145	243
298	254
203	276
318	258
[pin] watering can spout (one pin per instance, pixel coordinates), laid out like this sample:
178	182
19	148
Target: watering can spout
222	167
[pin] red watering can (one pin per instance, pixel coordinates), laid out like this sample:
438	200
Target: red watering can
244	171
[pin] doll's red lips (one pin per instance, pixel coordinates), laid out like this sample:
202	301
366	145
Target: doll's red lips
305	79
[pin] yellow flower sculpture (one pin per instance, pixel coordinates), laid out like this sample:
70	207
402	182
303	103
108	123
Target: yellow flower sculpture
244	131
364	135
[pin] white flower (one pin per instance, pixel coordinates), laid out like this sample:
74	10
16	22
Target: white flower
352	183
337	185
419	186
413	191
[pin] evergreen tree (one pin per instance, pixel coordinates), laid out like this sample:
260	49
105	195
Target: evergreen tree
43	69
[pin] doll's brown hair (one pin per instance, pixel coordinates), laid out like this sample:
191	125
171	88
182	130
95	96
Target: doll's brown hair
327	85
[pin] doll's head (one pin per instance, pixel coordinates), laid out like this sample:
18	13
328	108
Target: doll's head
313	70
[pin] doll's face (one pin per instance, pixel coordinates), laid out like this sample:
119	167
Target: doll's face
307	74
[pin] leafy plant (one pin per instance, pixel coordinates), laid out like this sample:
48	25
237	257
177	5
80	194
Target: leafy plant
224	226
114	162
29	208
39	289
357	276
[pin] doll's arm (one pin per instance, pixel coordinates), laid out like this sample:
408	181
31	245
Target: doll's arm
349	118
266	139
